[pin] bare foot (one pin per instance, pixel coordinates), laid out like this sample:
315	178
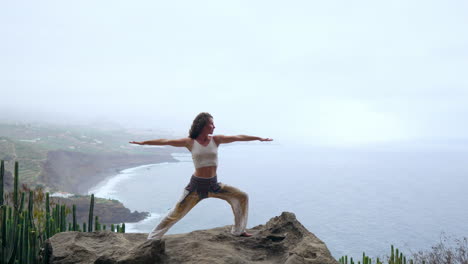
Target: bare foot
245	234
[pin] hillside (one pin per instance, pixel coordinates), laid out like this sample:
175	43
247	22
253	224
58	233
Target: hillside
100	152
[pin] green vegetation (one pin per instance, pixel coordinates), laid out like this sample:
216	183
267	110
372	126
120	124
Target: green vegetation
23	231
396	257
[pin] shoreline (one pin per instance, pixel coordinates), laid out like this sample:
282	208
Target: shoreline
116	178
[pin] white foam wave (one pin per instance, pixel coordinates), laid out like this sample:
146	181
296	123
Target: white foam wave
107	188
61	194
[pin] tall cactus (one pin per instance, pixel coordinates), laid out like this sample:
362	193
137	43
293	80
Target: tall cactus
96	223
30	208
63	218
16	182
75	228
10	252
21	206
22	243
33	250
47	225
56	222
4	235
90	219
2	172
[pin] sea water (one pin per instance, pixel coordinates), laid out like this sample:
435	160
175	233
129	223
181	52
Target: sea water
355	200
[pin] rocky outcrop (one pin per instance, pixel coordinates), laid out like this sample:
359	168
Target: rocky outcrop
282	240
77	172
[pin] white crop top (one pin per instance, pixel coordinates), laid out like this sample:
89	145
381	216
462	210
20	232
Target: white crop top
205	156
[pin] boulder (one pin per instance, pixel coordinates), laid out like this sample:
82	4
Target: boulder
282	239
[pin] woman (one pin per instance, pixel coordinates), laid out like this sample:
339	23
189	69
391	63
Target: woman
204	184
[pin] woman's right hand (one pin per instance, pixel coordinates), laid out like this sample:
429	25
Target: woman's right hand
136	142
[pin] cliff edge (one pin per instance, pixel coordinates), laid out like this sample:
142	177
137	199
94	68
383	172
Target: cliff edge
282	239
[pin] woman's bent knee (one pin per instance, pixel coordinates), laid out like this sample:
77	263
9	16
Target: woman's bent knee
243	197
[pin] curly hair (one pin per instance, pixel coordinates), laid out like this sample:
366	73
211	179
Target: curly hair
198	124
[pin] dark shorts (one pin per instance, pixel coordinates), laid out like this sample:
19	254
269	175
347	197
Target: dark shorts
203	185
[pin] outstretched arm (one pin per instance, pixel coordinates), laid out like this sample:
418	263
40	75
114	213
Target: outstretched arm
182	142
229	139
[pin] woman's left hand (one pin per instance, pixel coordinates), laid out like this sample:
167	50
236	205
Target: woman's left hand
266	139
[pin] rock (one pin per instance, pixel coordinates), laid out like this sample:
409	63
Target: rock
283	239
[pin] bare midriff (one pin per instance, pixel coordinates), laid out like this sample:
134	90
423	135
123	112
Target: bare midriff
205	172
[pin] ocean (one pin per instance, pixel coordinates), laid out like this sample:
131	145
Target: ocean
355	200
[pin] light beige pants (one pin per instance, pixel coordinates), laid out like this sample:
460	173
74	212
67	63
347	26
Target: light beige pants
238	200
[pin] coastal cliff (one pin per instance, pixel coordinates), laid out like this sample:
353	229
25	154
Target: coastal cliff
283	239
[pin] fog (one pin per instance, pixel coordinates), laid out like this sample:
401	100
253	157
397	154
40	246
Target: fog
318	72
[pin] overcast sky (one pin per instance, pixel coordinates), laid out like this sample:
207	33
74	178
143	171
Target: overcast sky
341	72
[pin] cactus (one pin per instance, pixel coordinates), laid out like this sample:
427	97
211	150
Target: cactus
112	228
96	223
15	184
123	228
33	250
21	206
90	219
4	237
47	225
74	219
30	208
10	252
57	222
63	218
22	246
2	172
